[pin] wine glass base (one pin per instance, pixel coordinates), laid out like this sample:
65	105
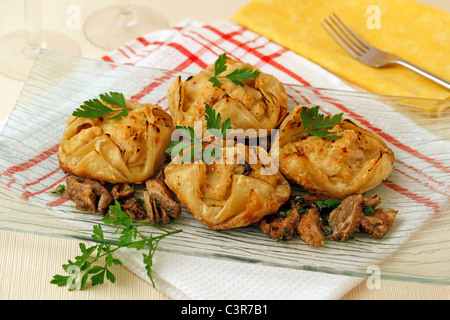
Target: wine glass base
16	60
106	30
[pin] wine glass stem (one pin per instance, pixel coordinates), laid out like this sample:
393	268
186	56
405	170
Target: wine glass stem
126	16
33	26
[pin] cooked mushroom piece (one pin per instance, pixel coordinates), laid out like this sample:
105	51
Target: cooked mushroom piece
103	195
310	227
281	225
82	194
345	219
378	222
306	200
159	203
134	208
122	191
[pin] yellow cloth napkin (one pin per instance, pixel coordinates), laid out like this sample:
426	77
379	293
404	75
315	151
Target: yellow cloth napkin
416	32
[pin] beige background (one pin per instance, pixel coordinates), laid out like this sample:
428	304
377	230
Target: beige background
28	262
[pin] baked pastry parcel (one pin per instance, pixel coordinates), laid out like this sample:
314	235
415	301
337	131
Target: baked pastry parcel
259	103
230	193
126	149
353	164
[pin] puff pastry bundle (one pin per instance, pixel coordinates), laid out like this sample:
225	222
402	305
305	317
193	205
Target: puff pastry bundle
230	193
127	149
260	104
353	164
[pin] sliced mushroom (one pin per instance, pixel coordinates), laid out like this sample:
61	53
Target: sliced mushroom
122	191
310	227
134	208
103	195
345	219
82	194
159	202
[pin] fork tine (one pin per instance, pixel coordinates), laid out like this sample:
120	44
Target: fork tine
349	36
341	41
350	31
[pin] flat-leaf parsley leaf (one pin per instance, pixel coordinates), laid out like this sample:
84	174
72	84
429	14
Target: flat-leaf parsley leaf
314	122
94	108
130	237
237	76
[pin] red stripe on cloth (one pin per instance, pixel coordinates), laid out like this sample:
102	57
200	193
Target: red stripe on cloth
58	202
413	196
422	182
29	184
124	53
143	41
134	52
31	162
211	43
107	59
148	88
426	176
200	43
28	194
191	57
258	54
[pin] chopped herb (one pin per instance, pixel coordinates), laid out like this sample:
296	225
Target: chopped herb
329	231
327	205
325	221
285	213
314	122
286	233
368	211
237	76
303	211
299	200
60	190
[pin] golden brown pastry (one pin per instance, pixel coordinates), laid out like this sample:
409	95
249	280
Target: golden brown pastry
231	194
260	104
127	149
355	163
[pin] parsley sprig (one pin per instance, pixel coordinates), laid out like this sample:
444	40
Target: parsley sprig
94	108
214	127
237	76
85	265
314	122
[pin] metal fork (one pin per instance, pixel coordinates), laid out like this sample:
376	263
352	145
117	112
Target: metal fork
368	54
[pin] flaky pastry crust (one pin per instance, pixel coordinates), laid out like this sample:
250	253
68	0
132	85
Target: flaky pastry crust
128	149
355	163
230	194
260	104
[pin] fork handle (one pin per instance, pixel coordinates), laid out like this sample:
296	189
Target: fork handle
423	72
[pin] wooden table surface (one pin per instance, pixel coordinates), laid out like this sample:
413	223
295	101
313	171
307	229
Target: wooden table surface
28	262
